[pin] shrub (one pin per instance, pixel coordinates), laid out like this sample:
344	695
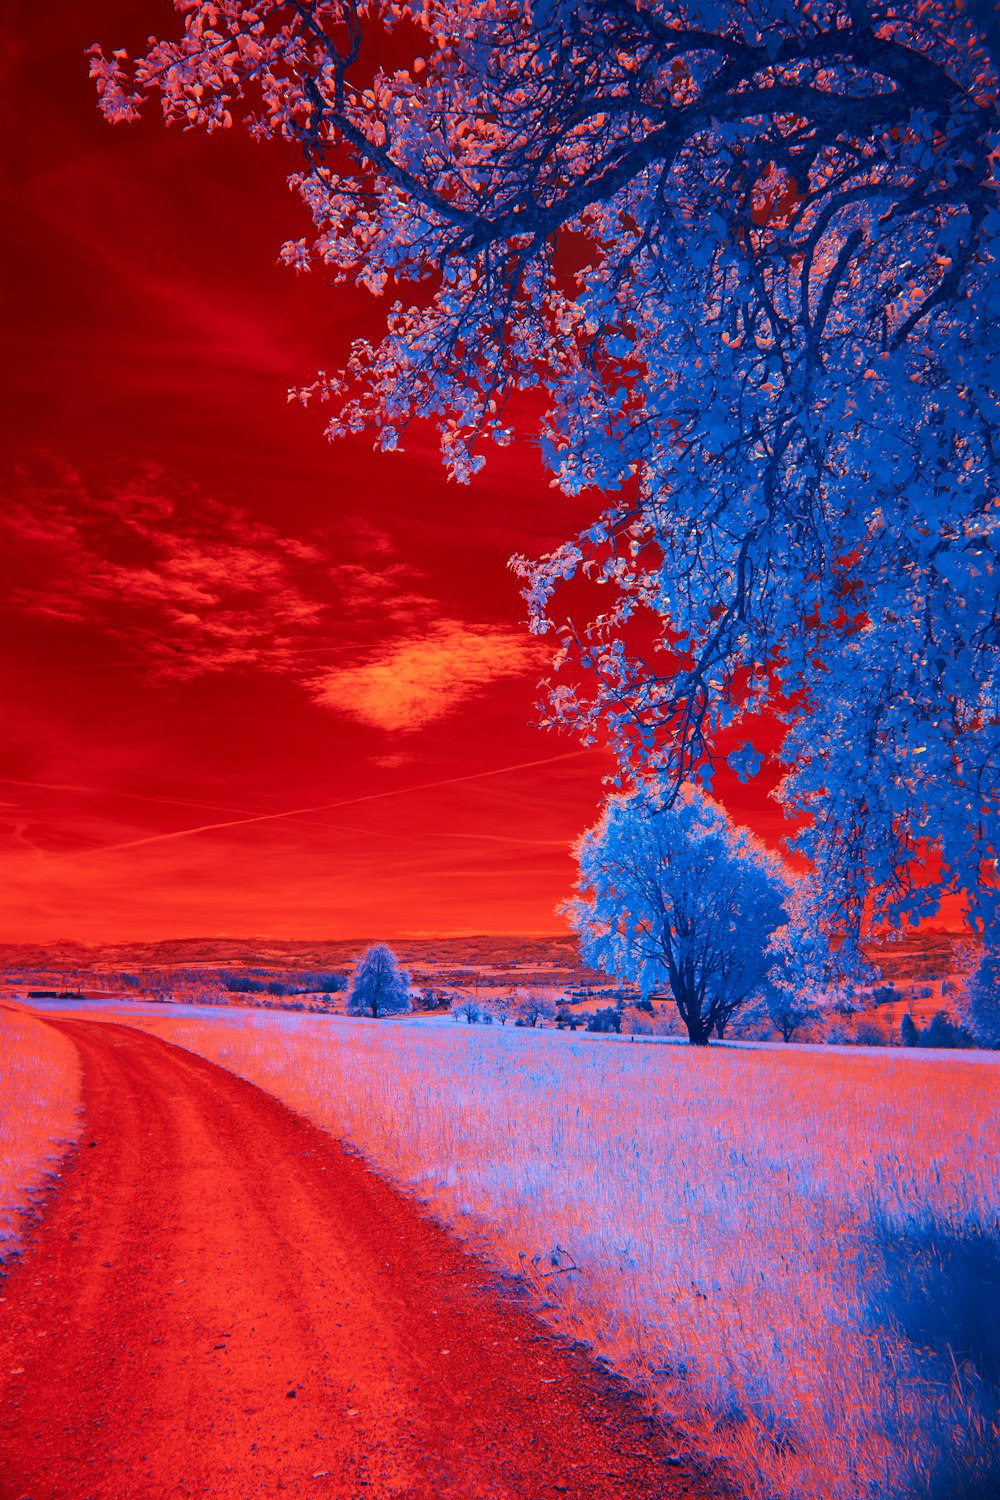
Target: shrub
324	984
885	994
608	1019
870	1033
242	984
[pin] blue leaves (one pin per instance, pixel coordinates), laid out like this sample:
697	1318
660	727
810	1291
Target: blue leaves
801	462
746	761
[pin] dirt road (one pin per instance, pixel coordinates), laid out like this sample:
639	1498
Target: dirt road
220	1301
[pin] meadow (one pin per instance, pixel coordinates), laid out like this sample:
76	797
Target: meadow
791	1252
39	1098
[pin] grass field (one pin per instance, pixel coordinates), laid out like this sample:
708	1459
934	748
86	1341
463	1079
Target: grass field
39	1099
793	1253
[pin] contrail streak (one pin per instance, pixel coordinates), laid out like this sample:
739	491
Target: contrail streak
297	812
116	796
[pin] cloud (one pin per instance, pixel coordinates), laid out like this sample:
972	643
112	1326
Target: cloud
190	586
414	681
385	593
186	586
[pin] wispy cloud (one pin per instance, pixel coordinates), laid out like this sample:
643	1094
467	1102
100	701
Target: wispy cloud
321	807
186	586
413	681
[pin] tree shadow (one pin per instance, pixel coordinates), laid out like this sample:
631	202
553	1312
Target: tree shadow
935	1285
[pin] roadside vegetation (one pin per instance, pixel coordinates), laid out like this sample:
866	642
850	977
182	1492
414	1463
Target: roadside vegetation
39	1114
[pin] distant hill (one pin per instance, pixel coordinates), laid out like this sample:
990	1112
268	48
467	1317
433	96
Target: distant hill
509	951
928	954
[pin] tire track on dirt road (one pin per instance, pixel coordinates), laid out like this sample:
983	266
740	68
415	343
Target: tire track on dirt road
219	1300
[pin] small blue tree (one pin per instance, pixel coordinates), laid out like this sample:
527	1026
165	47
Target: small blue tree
378	985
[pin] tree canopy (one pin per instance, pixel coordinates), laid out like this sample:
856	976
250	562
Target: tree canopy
748	252
675	894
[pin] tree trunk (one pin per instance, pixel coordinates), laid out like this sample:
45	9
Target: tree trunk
699	1026
698	1033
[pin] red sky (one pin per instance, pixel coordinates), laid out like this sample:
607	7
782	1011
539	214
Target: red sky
211	616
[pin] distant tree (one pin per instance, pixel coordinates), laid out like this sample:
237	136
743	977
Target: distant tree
243	984
637	1020
430	999
467	1008
979	1004
378	985
941	1031
609	1018
328	984
794	991
502	1006
789	1012
675	893
532	1009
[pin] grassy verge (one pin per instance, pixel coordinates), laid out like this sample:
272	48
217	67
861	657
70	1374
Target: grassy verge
39	1103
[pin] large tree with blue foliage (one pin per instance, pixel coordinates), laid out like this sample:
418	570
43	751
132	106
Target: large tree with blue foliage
748	253
673	895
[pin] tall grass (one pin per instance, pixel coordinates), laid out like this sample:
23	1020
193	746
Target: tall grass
744	1222
39	1099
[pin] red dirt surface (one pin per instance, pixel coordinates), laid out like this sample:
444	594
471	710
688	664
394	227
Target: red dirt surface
219	1300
